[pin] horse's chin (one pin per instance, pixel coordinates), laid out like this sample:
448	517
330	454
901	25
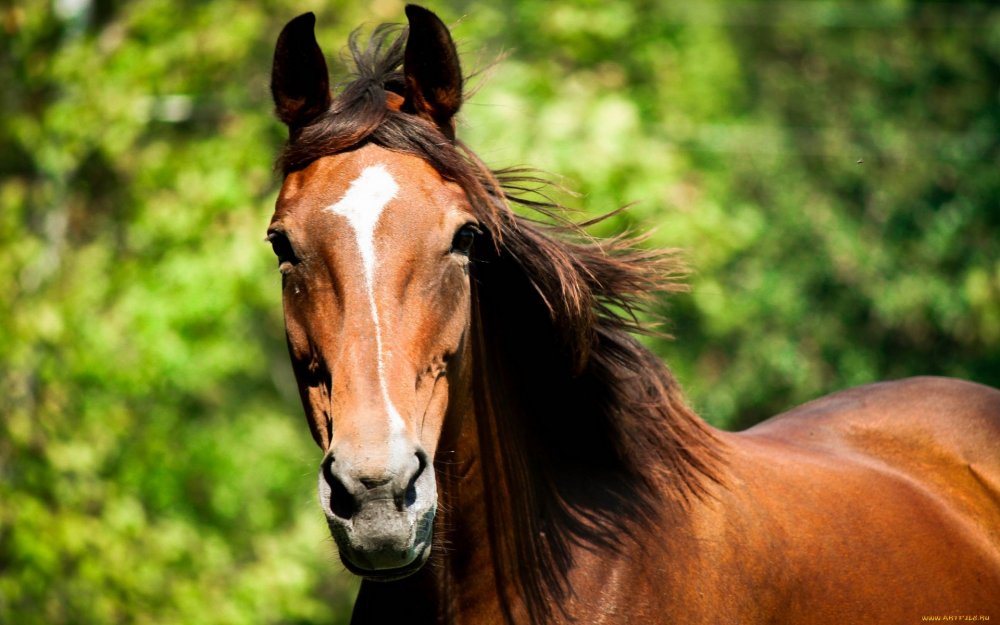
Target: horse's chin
382	543
393	574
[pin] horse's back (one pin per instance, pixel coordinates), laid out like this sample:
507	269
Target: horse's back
942	431
880	503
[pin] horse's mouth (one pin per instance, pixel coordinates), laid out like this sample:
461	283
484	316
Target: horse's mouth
389	575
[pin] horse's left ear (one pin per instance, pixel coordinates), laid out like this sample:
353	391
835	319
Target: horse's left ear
433	75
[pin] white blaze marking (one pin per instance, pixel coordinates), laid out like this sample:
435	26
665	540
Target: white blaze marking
363	204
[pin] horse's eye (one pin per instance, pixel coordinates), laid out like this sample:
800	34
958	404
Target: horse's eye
462	242
282	249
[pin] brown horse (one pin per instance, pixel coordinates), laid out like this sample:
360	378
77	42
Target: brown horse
498	448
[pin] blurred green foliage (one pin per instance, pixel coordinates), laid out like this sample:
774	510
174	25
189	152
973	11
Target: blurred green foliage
833	169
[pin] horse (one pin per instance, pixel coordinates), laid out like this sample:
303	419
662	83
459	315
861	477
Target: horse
498	447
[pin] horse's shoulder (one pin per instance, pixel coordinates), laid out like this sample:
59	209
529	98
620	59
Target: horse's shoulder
871	475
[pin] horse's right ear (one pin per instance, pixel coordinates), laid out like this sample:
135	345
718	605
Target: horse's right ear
300	82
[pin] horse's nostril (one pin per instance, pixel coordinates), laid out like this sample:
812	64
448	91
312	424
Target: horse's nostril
410	496
341	500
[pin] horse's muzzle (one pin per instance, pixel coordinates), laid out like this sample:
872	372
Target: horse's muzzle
383	525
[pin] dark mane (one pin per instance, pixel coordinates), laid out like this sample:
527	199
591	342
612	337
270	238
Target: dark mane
562	389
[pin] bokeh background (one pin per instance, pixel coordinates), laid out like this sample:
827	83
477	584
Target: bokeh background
832	168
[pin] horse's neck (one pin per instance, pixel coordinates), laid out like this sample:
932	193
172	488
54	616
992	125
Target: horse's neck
464	570
471	586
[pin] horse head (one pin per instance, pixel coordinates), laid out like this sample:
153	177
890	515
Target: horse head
373	245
